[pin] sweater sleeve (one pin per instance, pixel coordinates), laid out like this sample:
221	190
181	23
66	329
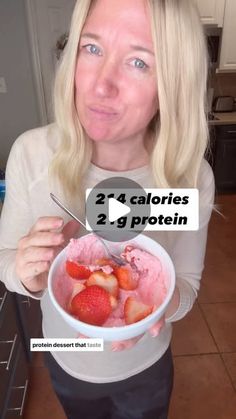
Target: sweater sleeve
15	221
188	248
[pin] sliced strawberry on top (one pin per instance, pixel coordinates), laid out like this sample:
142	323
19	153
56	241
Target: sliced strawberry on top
114	302
105	261
126	278
77	270
134	310
92	305
107	281
77	287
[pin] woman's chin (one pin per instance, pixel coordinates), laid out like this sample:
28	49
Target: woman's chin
99	136
99	130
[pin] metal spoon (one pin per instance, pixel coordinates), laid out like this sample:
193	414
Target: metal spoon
117	259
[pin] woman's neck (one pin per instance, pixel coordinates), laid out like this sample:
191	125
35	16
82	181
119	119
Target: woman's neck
120	156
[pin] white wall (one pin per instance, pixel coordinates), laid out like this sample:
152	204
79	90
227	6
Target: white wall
18	107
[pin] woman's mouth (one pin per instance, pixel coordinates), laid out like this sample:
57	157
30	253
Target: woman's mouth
102	113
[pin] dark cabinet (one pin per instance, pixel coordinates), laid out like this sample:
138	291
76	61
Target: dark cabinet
223	157
29	319
20	319
17	390
9	344
13	364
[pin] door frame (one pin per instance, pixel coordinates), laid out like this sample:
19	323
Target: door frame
35	59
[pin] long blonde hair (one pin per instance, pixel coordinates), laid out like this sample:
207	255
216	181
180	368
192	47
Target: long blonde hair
182	69
73	156
180	127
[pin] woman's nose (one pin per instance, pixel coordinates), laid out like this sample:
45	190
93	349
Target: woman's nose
107	81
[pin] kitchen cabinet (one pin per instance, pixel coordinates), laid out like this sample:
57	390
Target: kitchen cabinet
13	365
18	388
228	45
15	333
30	320
223	139
211	11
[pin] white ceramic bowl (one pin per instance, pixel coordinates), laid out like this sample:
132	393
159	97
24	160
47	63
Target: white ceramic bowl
121	332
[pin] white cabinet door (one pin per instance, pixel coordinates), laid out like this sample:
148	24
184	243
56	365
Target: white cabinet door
50	19
228	46
211	11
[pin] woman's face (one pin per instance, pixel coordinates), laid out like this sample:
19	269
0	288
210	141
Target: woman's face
116	90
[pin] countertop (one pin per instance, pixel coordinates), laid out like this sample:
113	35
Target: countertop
224	118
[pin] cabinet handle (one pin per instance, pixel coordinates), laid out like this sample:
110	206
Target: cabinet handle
232	132
23	398
3	299
11	352
25	387
27	301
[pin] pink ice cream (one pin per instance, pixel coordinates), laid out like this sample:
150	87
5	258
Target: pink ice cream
146	268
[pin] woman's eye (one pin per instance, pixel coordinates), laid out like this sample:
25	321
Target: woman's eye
138	63
92	49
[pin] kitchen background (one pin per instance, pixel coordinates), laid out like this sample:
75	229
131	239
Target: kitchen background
205	340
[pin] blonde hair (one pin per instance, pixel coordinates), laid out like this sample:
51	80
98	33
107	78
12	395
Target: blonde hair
182	68
73	156
180	127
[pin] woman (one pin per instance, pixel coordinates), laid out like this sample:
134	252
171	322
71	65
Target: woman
131	83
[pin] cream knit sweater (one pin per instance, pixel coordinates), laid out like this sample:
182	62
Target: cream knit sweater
27	199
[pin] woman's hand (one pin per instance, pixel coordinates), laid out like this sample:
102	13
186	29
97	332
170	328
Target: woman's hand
173	304
121	345
129	343
39	247
153	330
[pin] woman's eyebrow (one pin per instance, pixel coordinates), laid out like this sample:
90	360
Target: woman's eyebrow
134	47
90	35
143	49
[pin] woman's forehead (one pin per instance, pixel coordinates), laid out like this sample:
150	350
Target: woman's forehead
124	16
115	5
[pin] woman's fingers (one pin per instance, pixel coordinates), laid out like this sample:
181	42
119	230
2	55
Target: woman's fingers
46	224
37	254
121	345
37	250
41	239
70	230
46	238
39	247
129	343
155	329
34	269
32	262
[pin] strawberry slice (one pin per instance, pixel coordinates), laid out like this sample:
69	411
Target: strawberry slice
105	261
134	310
126	278
92	305
77	287
76	270
114	302
107	281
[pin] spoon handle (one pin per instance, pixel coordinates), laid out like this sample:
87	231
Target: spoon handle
116	258
62	206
